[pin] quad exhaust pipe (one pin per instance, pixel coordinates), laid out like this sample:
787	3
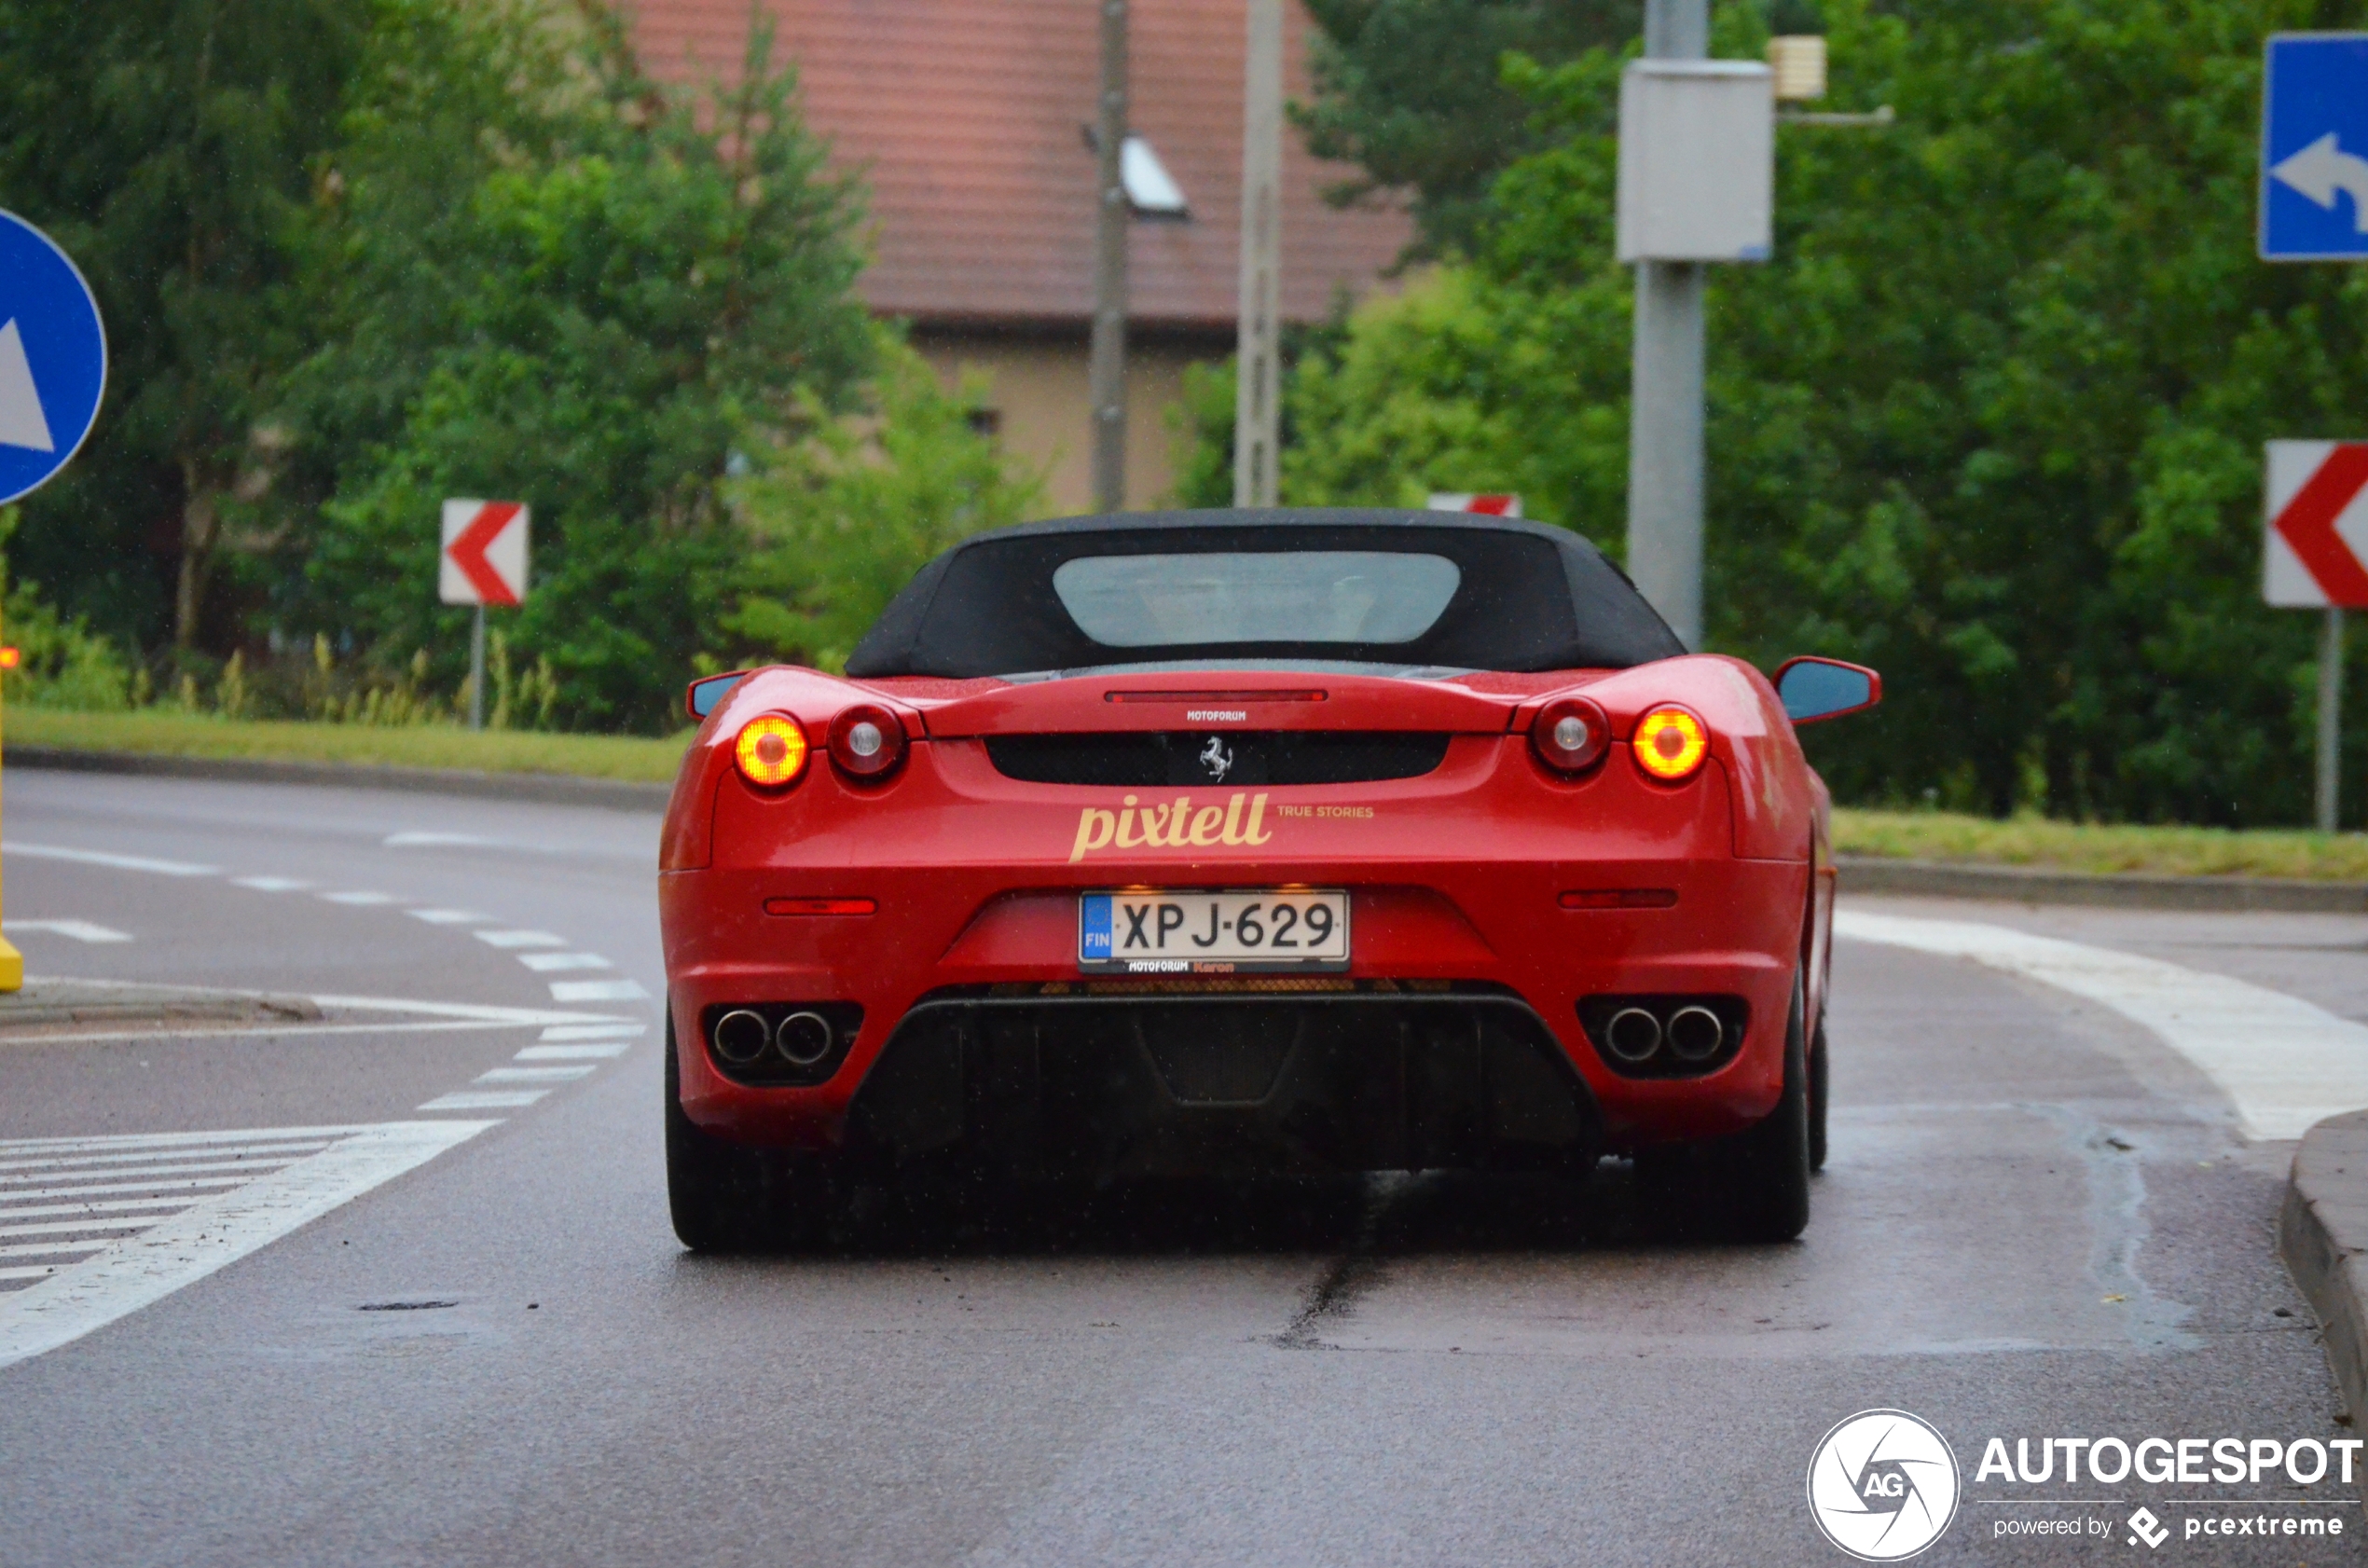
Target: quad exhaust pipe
1664	1036
744	1035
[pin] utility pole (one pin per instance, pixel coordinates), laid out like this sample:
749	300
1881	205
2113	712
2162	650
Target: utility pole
1106	373
1665	402
1257	363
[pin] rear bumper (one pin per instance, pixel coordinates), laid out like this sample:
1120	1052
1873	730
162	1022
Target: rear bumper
949	972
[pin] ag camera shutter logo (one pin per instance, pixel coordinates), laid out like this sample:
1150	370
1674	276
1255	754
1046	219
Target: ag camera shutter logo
1882	1485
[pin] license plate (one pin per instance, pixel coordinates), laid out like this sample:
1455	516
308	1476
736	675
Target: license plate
1241	930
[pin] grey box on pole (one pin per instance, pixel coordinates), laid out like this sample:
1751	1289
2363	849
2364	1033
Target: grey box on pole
1697	161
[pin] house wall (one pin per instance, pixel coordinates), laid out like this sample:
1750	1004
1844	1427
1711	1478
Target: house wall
1035	384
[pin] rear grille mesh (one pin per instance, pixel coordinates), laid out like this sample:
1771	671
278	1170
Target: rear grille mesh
1121	761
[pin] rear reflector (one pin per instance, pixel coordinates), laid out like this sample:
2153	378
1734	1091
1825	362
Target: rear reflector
1620	898
821	906
1215	697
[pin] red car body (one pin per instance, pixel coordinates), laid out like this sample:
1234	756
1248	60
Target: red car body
1492	891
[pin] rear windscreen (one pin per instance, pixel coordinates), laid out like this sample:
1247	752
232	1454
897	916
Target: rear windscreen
1405	590
1371	597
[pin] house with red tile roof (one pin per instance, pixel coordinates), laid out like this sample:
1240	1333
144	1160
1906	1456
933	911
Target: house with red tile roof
970	122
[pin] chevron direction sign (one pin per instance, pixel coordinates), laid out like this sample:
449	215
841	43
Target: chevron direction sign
484	553
2314	148
2318	517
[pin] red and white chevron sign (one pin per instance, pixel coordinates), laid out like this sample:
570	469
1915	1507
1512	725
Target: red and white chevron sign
2318	524
484	552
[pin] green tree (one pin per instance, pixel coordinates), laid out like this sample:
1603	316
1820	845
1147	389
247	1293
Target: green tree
844	516
167	144
1412	92
602	311
1991	420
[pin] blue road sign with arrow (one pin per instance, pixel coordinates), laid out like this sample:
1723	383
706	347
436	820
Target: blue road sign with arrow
2314	148
53	358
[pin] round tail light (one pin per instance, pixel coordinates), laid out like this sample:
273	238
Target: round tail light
770	751
1571	736
866	742
1670	743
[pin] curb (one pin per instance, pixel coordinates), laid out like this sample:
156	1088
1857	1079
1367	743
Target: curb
1871	874
2322	1234
548	789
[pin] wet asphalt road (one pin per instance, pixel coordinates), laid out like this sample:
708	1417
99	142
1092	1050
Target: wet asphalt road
2036	1222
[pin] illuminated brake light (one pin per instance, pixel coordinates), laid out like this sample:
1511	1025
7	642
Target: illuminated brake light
770	751
1670	743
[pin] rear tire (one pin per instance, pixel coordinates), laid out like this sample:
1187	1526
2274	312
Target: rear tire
1765	1169
1820	1070
725	1197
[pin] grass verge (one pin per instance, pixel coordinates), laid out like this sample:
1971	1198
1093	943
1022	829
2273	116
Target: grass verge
153	733
1923	836
1931	836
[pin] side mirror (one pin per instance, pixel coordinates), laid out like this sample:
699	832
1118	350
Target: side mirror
1813	689
707	693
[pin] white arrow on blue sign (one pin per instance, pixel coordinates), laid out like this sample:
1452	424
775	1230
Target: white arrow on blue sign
2314	148
53	358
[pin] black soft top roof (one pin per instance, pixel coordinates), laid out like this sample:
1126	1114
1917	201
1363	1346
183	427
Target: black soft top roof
1531	598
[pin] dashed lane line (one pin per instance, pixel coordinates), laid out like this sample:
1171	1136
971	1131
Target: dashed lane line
359	900
590	1050
271	884
434	840
595	1031
519	938
101	858
448	916
546	963
485	1099
2283	1061
597	991
80	930
534	1074
173	1250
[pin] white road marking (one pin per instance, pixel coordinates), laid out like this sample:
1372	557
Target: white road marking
184	1248
80	930
15	1150
545	963
271	884
485	1099
113	1206
100	858
448	916
2283	1061
110	1163
573	1052
51	1249
532	1075
595	1031
430	840
359	900
483	1015
90	1170
81	1189
597	991
271	1031
73	1228
41	1271
519	938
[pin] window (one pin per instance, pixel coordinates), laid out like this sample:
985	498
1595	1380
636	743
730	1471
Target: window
1284	596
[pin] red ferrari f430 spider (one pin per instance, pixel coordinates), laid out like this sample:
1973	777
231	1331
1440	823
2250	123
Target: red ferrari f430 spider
1227	842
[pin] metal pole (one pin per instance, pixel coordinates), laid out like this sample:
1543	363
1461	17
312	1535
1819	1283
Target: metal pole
1106	373
11	966
476	671
2330	719
1665	404
1257	414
